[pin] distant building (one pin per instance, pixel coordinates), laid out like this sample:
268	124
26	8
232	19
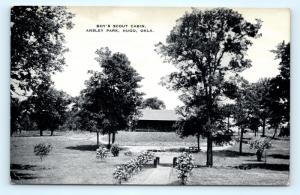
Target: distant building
156	120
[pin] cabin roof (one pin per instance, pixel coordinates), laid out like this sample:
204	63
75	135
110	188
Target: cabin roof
158	115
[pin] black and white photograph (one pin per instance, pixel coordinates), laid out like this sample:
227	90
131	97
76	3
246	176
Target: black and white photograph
172	96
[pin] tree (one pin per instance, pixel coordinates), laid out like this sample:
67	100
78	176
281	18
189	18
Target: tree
228	111
190	126
280	90
242	107
111	99
37	48
47	107
260	101
153	103
197	46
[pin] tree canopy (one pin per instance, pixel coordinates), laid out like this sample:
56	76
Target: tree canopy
198	46
153	103
111	97
47	108
37	52
280	90
37	45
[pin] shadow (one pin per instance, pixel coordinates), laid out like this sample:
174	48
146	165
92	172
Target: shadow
231	153
89	147
281	156
21	176
178	150
273	167
35	135
166	164
83	147
22	167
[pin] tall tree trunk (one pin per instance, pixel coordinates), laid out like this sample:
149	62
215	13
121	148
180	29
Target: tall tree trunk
275	132
198	141
209	153
113	137
255	131
52	131
241	140
41	132
109	139
97	138
264	128
228	123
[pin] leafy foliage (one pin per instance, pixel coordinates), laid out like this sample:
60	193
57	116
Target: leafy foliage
115	149
125	171
197	46
101	152
37	45
260	145
42	150
153	103
110	99
280	90
37	49
47	108
184	166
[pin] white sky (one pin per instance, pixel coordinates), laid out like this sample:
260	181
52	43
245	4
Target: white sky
139	47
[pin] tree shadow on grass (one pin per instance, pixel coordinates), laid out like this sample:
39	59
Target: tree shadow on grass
83	147
14	175
281	156
88	147
22	167
16	171
231	153
273	167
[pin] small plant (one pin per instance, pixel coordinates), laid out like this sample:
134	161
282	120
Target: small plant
184	166
260	145
115	149
42	150
101	152
120	174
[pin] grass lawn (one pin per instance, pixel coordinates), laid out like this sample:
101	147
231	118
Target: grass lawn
230	168
73	160
154	139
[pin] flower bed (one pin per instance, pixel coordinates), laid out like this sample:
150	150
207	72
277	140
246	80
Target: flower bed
125	171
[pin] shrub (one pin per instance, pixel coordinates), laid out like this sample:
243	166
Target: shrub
115	149
125	171
184	166
101	152
42	150
260	145
120	174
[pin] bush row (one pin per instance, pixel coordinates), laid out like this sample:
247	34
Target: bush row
125	171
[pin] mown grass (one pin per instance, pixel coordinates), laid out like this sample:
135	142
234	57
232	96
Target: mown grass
73	161
64	165
231	168
154	139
